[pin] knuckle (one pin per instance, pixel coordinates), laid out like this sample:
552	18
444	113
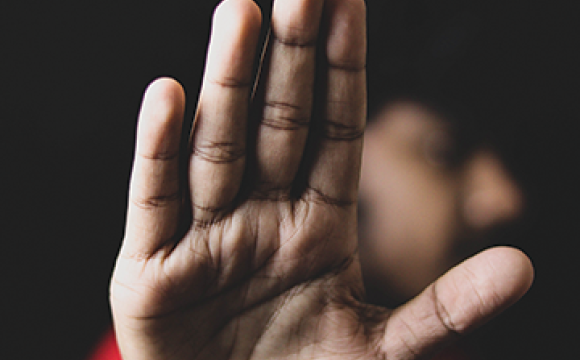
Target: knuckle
230	82
219	152
206	217
347	65
318	196
155	202
284	116
208	208
295	37
444	317
334	130
159	155
274	194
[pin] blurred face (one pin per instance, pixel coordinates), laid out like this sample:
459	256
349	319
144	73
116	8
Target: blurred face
420	214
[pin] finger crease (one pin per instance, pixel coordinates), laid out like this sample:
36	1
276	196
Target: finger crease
272	194
158	201
347	67
211	209
160	156
295	41
334	130
219	152
204	223
285	123
442	313
283	116
317	196
230	82
281	105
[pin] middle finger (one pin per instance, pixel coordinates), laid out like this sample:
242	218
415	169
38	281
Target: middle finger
283	101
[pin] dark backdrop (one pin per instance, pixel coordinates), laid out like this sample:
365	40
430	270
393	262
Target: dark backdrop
72	75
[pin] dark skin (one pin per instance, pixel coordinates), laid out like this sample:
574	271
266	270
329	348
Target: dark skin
253	253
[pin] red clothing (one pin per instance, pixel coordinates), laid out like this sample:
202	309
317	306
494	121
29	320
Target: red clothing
108	350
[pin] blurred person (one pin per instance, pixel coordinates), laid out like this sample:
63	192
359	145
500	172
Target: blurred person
420	202
435	187
426	202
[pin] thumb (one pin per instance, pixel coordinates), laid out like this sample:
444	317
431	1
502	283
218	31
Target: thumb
461	300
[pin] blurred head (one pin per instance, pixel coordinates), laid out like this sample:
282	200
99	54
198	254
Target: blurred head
426	200
434	190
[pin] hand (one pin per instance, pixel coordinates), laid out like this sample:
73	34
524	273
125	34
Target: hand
244	247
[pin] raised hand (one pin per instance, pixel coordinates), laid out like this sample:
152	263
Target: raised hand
244	246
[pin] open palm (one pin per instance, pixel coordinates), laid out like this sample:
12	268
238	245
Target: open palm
244	246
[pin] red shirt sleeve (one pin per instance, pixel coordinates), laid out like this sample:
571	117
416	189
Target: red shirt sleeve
107	348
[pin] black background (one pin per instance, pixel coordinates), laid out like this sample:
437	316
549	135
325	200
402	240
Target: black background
72	77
